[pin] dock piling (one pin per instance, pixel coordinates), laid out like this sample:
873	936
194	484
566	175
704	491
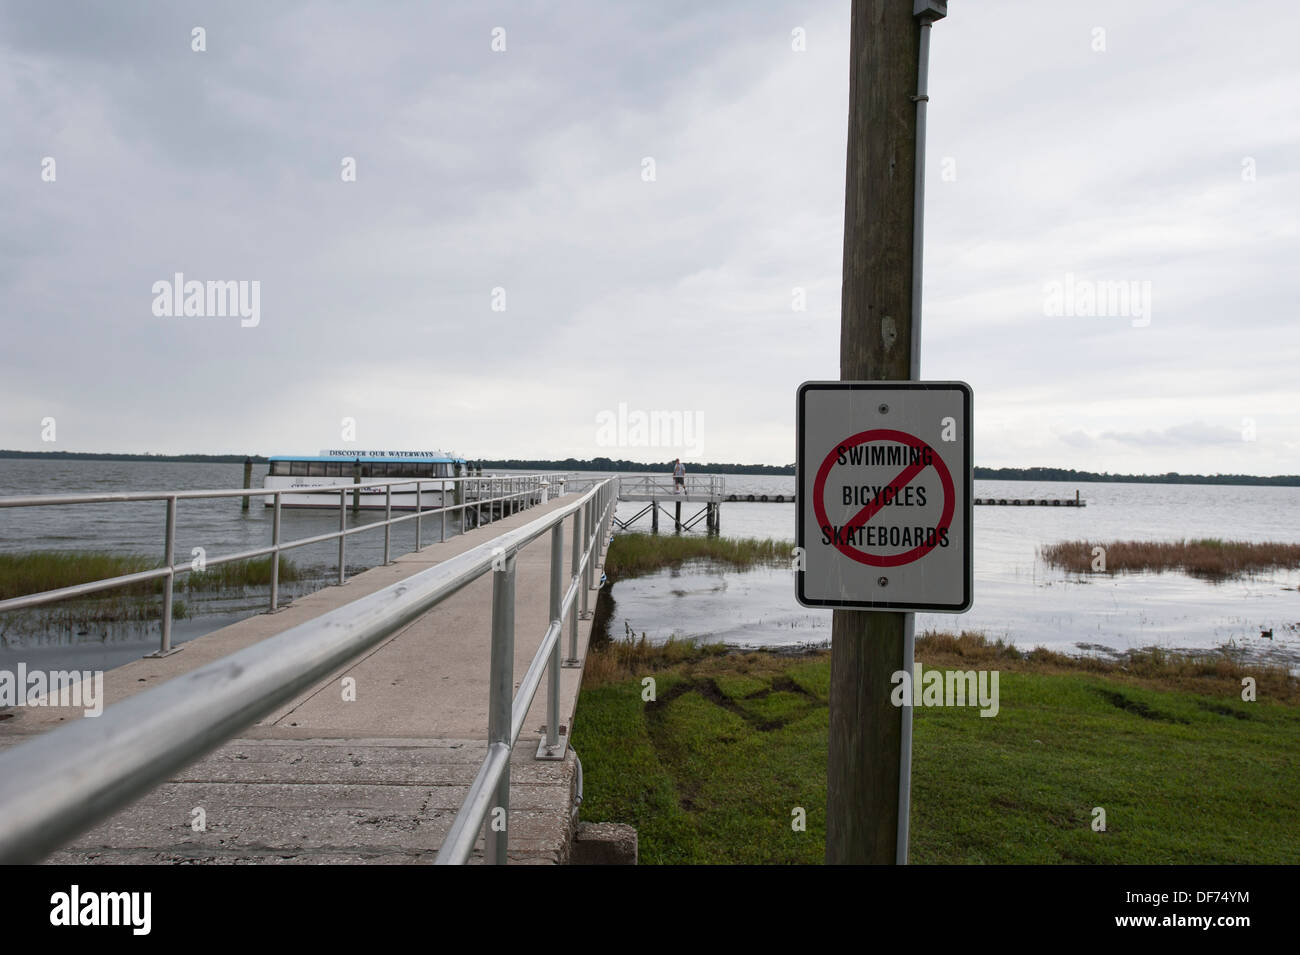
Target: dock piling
248	482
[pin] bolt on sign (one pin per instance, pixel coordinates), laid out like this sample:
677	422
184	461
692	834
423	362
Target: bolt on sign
884	495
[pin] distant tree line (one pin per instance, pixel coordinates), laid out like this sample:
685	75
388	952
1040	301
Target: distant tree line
1170	477
619	465
117	456
640	467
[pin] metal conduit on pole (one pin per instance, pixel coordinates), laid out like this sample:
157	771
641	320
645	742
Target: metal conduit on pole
927	12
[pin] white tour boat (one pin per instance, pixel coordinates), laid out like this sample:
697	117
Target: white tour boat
432	470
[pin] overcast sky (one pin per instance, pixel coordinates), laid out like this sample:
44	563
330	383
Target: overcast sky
1154	143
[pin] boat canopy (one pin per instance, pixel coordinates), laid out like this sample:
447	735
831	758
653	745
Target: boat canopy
376	457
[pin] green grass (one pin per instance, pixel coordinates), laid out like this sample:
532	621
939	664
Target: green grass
634	554
711	771
37	571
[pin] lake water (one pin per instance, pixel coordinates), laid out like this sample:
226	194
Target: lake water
1017	596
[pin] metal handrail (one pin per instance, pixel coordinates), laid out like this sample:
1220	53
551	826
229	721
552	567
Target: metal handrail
711	484
521	488
490	790
65	781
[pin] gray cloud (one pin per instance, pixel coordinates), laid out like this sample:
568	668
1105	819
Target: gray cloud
1193	434
521	170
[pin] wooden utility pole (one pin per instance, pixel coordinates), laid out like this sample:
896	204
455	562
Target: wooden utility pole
875	344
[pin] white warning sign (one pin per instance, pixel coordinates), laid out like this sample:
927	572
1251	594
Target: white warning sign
885	495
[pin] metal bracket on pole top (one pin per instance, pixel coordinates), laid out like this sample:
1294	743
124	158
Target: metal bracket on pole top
556	752
931	10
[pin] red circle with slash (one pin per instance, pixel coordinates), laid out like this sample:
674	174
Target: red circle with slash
869	511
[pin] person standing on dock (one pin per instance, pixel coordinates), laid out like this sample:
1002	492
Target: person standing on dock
679	476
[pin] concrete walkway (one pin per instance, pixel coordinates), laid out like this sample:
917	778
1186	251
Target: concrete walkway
375	779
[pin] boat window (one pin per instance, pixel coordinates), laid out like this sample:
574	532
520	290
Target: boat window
315	468
298	468
277	467
367	470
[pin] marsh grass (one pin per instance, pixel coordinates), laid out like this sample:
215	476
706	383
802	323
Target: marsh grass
1196	672
632	555
611	661
31	573
22	574
140	602
1210	558
235	576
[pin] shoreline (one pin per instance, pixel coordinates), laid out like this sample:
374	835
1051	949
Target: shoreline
635	555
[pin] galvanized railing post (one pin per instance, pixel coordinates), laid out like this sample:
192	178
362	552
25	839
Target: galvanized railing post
572	661
169	559
586	548
388	523
501	679
275	554
419	514
553	685
343	525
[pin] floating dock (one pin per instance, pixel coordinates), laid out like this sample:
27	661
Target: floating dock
1075	501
